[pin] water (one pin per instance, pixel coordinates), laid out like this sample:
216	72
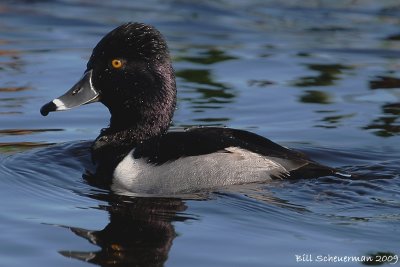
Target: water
318	76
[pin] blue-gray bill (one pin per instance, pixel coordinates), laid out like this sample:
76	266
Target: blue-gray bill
81	93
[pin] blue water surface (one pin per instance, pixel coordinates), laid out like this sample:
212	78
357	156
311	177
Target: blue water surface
319	76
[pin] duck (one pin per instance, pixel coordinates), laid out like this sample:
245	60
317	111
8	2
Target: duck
130	72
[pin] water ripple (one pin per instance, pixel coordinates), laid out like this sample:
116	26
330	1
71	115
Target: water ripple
49	173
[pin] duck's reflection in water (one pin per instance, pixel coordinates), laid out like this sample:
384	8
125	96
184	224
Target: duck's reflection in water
140	232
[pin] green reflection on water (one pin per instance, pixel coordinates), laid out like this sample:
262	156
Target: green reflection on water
202	92
315	97
388	124
199	76
335	120
207	57
384	82
210	91
8	132
328	74
14	147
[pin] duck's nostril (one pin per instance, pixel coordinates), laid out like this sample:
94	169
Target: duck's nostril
76	91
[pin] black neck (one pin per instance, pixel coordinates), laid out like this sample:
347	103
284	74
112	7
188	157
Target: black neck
140	123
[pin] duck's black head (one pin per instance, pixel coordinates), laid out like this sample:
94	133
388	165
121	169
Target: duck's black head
130	72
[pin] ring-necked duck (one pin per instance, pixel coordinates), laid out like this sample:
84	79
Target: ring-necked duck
130	72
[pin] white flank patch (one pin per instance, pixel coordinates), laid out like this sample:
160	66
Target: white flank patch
188	174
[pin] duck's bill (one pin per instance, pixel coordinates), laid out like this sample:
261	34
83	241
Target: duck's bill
81	93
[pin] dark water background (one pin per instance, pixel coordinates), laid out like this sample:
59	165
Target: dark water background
319	76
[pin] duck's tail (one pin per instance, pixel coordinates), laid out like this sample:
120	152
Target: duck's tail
315	170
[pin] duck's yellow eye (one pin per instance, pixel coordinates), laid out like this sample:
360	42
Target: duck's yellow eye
117	63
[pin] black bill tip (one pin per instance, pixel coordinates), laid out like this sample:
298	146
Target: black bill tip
49	107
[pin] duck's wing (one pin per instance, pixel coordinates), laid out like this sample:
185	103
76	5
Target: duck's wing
207	140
